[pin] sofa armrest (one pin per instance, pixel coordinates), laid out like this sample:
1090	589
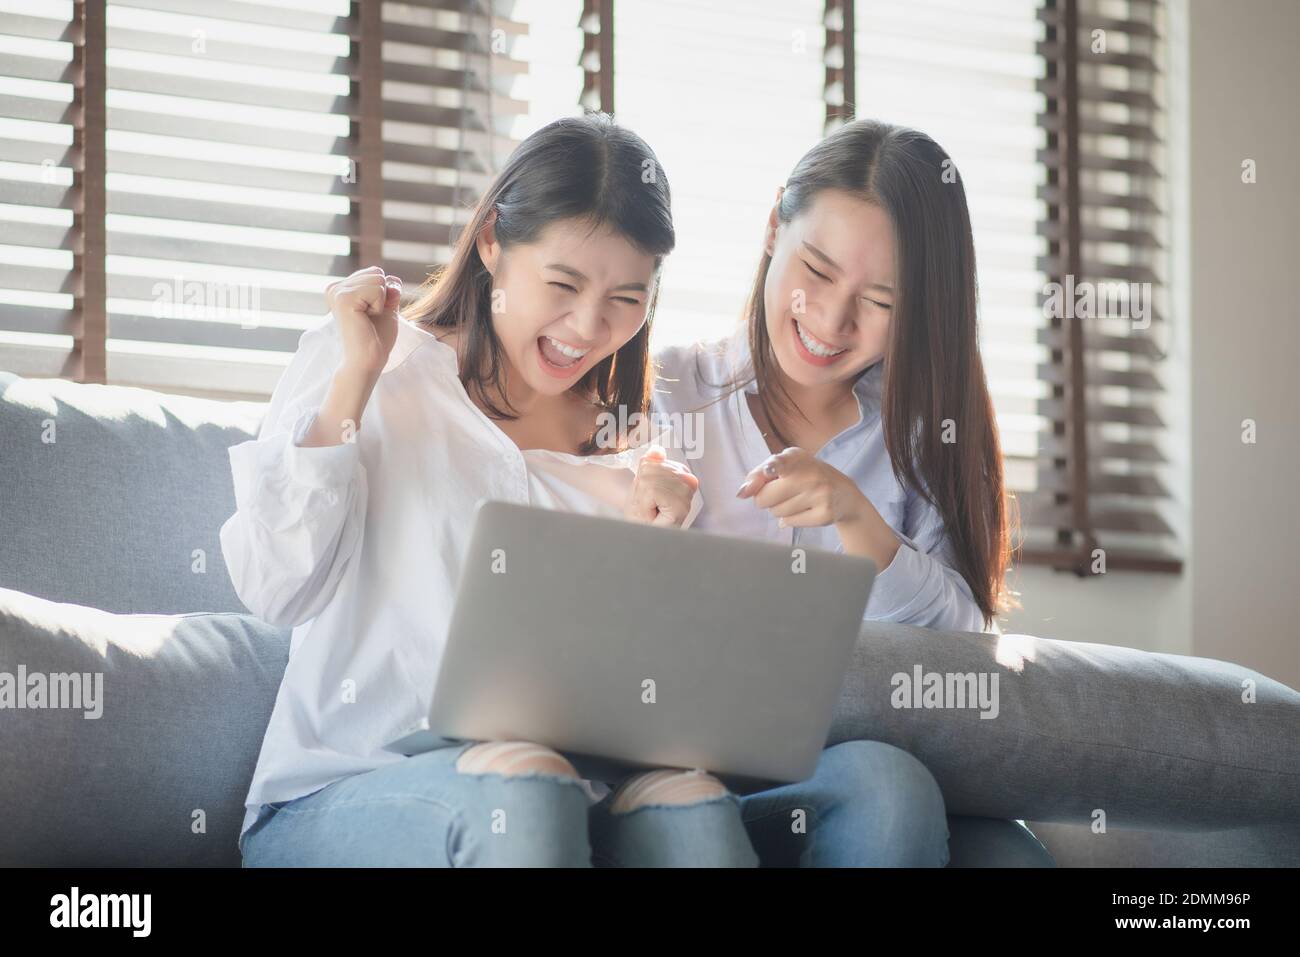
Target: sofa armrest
151	765
1080	732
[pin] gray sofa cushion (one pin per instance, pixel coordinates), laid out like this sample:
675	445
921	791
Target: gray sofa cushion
185	701
112	512
1152	740
1147	738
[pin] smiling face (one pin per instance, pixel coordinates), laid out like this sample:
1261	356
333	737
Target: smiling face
565	302
830	288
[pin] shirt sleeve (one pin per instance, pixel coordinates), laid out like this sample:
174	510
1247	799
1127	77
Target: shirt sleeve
920	586
299	512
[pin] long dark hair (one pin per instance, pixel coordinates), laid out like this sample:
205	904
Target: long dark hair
932	366
585	168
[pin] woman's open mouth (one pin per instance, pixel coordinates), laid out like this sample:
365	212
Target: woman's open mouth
559	358
812	349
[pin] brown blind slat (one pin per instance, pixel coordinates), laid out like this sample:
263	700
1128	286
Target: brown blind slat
1089	22
1054	447
1100	127
1132	61
1098	465
597	57
1098	342
89	359
1138	98
1135	379
368	132
1057	411
1103	483
839	54
1104	234
1051	194
1041	510
1098	271
1091	161
1137	560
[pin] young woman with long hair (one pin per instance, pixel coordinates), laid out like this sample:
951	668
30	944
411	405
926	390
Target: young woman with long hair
356	500
354	509
850	410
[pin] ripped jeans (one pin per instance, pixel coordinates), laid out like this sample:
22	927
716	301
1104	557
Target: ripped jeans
867	804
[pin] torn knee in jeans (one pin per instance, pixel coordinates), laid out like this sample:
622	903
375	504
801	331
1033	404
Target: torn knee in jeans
666	787
514	758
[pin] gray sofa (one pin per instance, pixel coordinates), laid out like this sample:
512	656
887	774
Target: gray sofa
110	565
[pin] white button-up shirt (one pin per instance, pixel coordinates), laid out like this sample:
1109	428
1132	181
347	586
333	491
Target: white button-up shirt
919	587
358	547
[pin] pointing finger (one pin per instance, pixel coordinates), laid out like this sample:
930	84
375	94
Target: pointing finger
759	476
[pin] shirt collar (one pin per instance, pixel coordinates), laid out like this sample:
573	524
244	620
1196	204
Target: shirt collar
868	390
412	337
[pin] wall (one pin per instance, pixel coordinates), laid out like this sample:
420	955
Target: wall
1233	74
1235	250
1245	333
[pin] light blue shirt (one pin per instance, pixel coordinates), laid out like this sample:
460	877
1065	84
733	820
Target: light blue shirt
722	443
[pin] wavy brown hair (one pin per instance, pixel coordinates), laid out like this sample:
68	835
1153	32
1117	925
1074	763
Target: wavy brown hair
933	371
584	168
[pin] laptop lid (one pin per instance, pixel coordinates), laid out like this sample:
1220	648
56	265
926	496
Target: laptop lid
648	646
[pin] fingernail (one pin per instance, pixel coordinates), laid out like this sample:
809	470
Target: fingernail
741	491
780	523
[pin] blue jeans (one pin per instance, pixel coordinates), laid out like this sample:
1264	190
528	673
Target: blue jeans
867	804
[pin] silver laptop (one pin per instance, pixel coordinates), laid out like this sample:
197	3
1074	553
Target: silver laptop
626	646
